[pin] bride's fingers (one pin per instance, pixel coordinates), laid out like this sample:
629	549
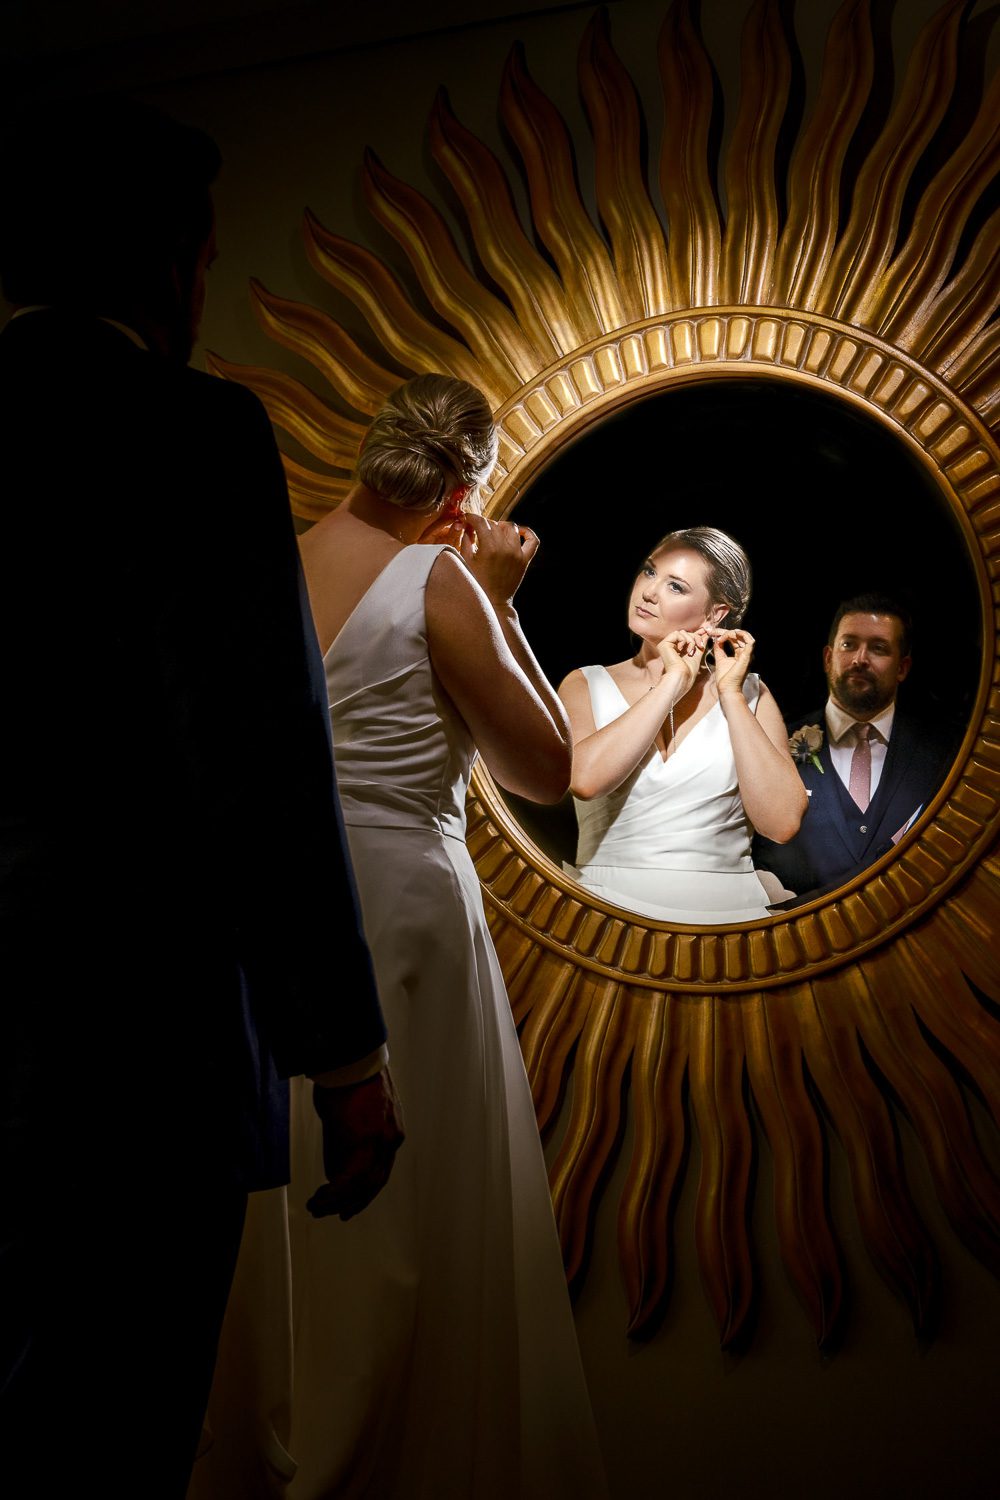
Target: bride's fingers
687	642
733	642
529	542
469	543
478	525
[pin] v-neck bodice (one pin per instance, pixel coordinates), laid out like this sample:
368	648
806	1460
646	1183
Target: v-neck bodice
682	813
655	753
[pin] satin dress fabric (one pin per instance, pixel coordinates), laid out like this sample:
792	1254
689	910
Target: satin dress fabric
435	1356
673	841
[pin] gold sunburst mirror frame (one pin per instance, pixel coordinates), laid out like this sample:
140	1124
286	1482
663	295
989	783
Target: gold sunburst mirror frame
878	996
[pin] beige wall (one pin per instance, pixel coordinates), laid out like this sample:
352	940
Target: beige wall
883	1416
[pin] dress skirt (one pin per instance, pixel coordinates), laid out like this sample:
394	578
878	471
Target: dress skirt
701	898
435	1353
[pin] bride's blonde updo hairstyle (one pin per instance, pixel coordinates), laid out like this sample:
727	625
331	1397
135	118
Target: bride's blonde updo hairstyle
433	435
729	575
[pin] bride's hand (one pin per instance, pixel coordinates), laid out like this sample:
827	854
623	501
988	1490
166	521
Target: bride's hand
499	555
732	650
682	653
447	527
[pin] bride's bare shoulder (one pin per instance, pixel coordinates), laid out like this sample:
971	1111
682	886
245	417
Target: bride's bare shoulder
576	681
623	672
326	533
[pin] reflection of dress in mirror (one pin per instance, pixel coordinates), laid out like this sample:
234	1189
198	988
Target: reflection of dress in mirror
676	760
435	1352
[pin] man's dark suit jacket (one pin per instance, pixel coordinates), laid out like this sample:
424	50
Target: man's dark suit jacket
177	917
836	840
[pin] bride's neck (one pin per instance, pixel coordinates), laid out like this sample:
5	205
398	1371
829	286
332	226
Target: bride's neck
405	525
648	660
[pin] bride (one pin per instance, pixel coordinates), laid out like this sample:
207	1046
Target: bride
435	1353
681	752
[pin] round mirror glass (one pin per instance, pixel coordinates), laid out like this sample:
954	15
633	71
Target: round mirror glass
827	502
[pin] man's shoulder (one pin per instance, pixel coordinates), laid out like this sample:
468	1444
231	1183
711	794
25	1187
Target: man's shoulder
94	353
226	400
814	720
925	740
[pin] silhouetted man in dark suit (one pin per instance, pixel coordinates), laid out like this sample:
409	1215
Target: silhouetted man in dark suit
868	768
177	917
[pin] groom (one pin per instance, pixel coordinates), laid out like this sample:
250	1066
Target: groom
868	767
178	924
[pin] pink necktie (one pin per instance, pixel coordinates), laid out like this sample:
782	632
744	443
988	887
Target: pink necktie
860	784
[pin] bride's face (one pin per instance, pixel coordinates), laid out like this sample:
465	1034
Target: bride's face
671	593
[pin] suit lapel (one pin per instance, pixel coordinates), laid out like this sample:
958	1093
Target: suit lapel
897	796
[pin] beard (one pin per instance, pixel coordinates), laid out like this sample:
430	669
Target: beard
859	693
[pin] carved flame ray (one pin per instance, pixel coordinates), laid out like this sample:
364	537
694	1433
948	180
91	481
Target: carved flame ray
751	232
580	254
809	236
866	245
721	1212
525	278
645	1218
622	195
794	1132
695	232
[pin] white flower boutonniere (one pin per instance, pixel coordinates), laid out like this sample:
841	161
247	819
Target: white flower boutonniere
805	744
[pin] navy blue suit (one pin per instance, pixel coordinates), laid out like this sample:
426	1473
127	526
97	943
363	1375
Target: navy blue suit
177	915
837	840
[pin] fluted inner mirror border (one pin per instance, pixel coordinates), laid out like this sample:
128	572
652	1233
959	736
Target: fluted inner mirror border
659	353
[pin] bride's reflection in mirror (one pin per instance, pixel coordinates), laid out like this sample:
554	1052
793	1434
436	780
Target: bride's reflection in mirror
680	750
827	503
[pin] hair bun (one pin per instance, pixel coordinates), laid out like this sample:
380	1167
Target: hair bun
432	434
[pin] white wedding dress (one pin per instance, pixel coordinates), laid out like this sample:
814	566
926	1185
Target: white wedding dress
673	841
434	1347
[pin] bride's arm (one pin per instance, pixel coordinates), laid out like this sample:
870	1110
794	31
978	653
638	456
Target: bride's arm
774	798
498	562
487	670
603	758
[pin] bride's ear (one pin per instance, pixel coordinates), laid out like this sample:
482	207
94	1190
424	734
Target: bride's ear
454	502
716	615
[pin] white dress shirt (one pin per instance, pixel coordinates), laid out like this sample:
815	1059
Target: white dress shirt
840	732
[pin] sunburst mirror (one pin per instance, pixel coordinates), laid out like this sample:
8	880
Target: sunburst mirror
854	268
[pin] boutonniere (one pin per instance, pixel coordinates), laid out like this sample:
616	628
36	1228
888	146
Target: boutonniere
804	745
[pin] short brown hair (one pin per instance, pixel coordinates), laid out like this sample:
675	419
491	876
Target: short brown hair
875	604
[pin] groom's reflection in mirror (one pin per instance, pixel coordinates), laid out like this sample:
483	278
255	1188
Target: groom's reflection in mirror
869	767
827	502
